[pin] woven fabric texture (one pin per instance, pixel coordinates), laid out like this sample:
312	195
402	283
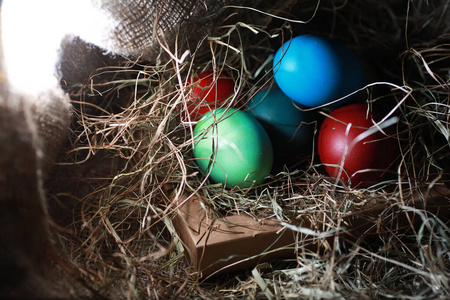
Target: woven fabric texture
137	28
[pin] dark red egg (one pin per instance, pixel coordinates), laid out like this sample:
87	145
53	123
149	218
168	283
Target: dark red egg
358	163
208	92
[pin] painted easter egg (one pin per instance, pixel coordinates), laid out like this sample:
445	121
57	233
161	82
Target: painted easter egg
232	148
290	129
314	70
207	93
359	163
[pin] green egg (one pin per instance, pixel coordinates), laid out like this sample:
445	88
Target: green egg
233	148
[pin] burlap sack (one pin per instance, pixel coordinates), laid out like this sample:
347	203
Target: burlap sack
34	125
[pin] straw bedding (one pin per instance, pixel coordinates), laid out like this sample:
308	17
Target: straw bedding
114	189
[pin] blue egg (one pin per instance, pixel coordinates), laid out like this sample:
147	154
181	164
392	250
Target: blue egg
290	129
314	70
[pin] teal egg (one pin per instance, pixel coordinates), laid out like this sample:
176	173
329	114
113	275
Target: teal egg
290	129
233	148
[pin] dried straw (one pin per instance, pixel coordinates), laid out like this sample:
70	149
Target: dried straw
129	160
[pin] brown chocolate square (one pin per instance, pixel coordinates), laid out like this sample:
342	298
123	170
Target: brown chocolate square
216	244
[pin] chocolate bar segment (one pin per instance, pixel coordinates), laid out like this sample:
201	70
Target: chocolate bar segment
216	245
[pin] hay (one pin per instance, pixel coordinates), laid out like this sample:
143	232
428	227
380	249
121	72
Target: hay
128	160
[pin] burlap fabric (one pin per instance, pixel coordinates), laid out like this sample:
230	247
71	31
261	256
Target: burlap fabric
34	125
143	25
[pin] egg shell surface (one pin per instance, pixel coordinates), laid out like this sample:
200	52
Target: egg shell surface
314	70
233	148
376	152
208	93
290	129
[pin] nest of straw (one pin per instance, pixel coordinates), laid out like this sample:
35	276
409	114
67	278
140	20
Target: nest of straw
129	156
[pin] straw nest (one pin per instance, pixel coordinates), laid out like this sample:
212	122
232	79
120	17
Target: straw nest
128	159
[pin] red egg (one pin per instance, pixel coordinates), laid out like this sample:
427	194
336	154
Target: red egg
358	163
208	93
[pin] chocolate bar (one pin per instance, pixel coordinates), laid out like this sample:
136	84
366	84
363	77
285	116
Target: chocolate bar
215	244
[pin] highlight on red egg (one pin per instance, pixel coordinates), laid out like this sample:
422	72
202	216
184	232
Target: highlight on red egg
208	91
347	154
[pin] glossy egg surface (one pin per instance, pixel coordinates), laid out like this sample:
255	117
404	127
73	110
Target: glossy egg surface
233	148
208	92
315	71
290	129
365	162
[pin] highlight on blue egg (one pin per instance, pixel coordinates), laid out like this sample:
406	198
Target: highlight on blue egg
291	130
314	70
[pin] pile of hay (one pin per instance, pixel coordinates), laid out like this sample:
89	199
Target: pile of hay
114	190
